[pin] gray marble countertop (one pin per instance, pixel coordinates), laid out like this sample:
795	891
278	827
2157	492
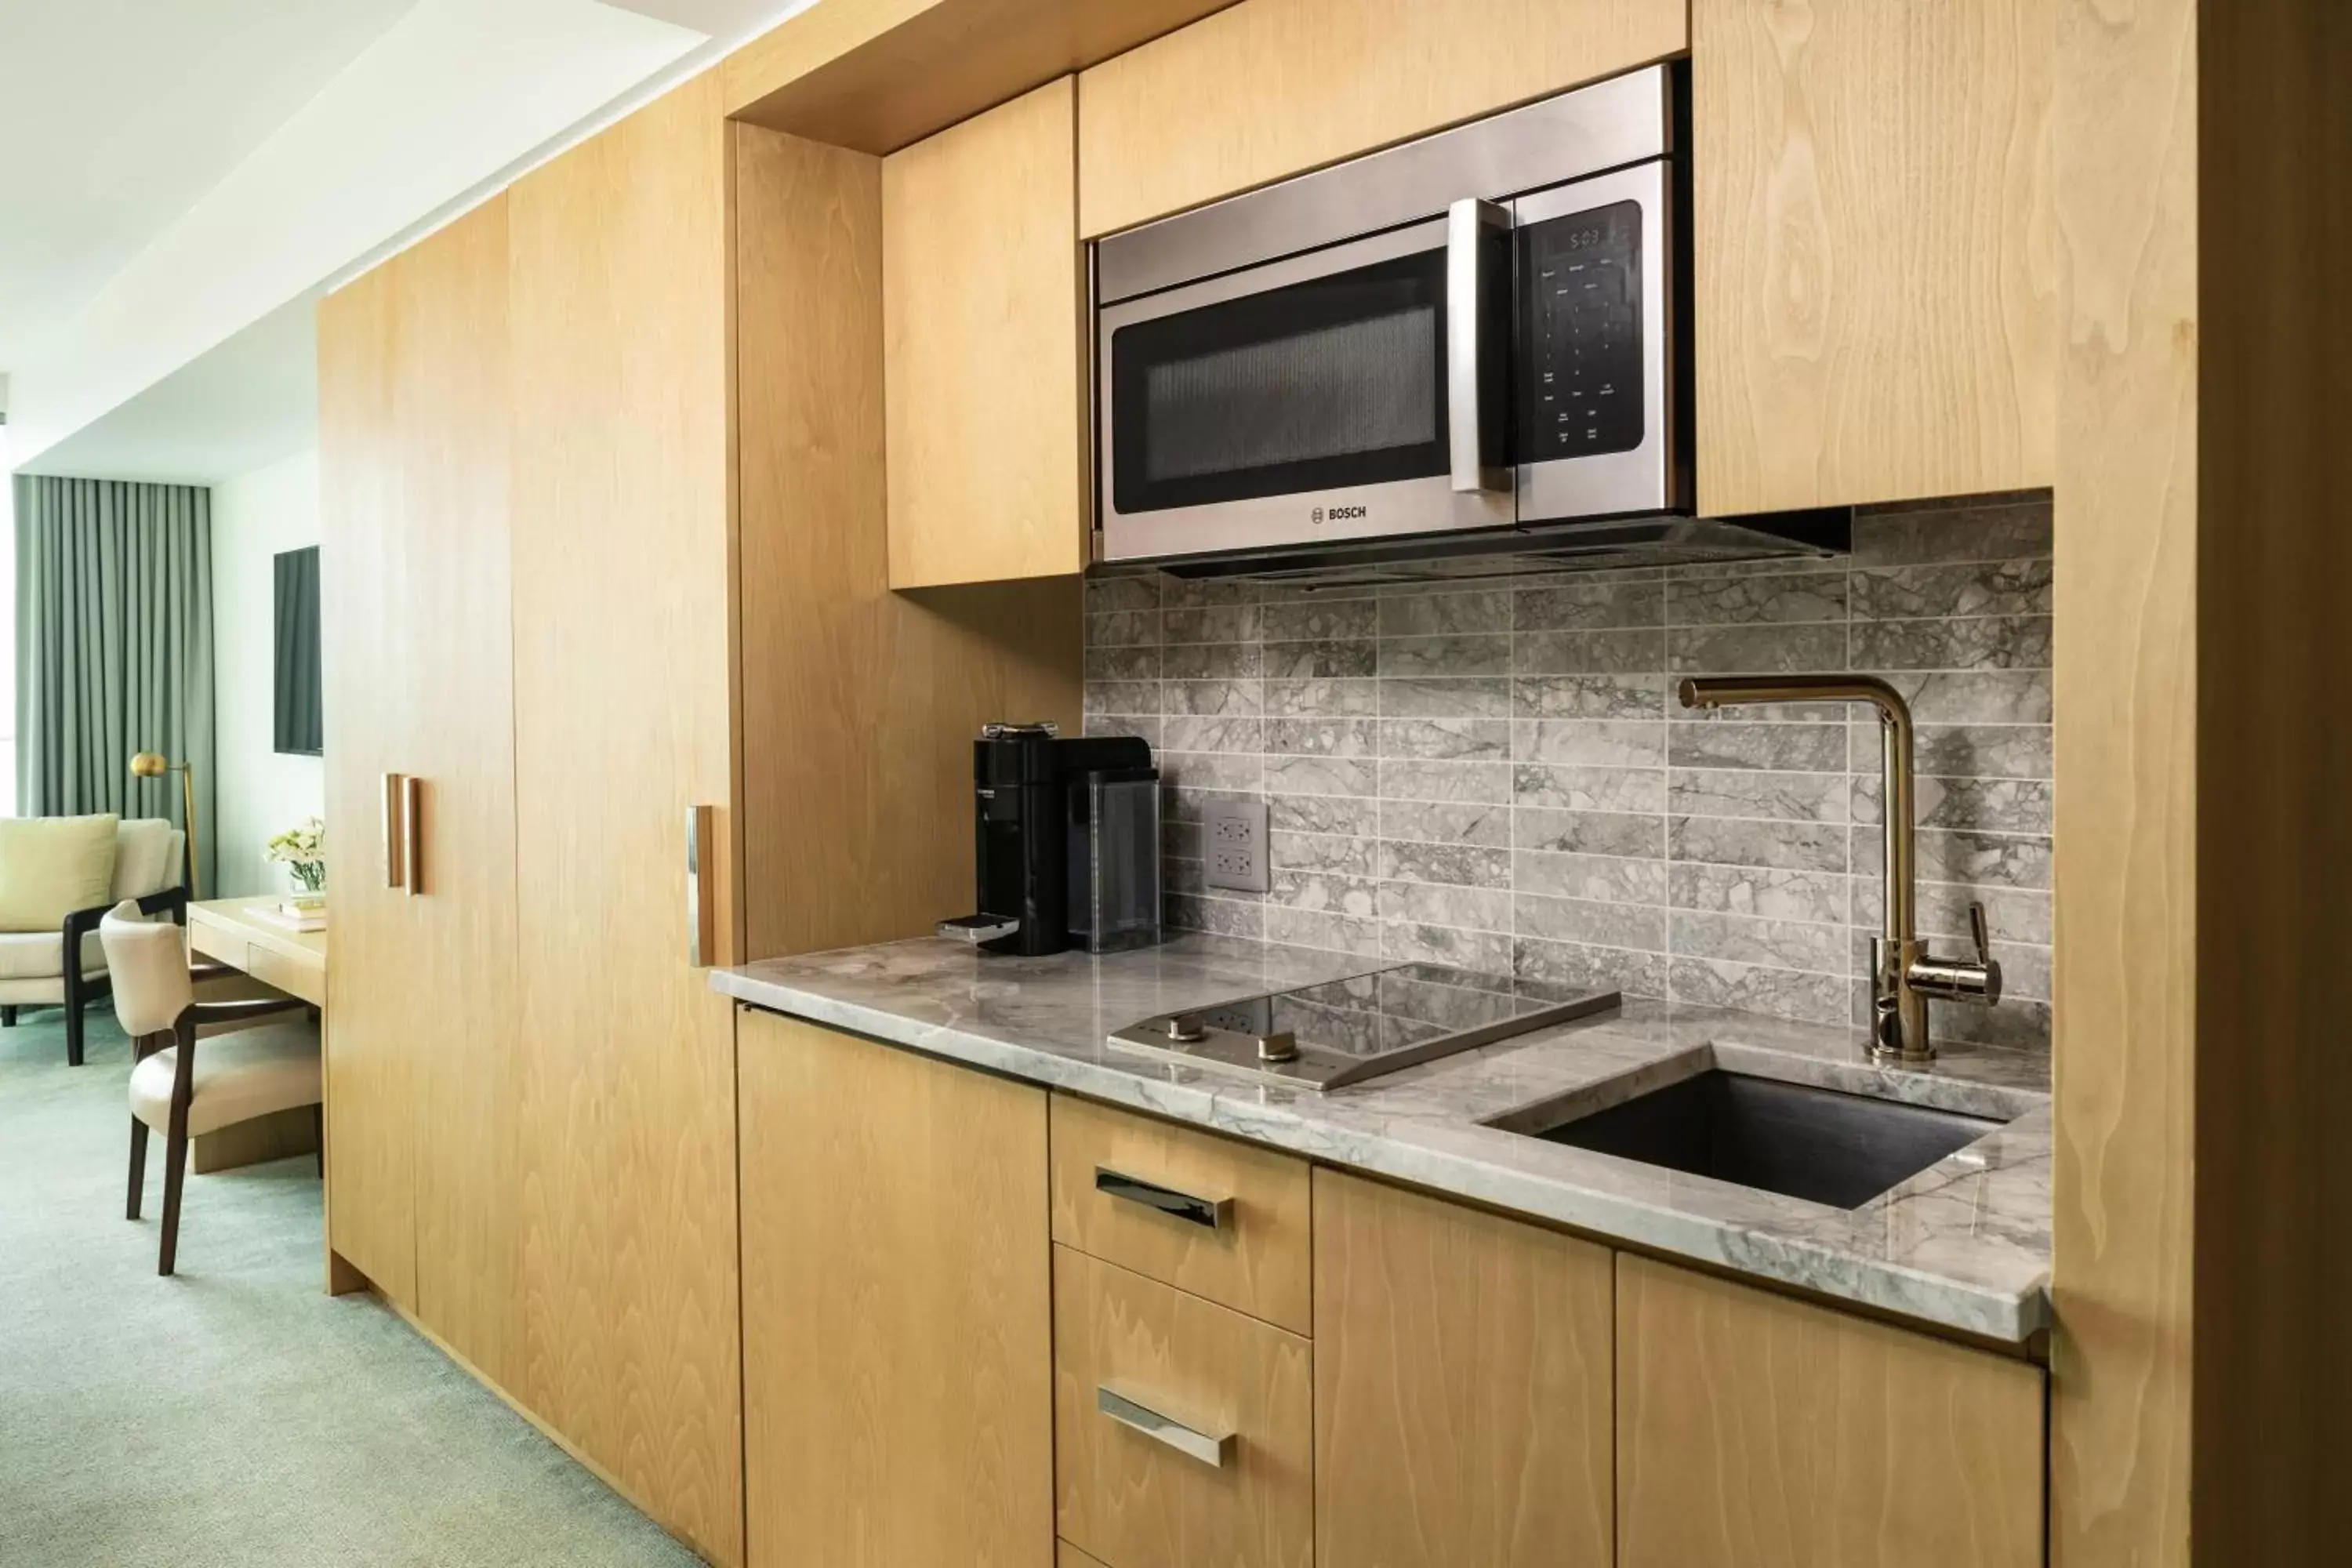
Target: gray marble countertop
1964	1245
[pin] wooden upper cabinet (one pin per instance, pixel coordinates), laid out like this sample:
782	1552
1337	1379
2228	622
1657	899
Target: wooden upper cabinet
1766	1433
1876	278
1275	88
1461	1386
984	374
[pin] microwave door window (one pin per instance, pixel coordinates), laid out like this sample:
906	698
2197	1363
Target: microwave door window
1325	385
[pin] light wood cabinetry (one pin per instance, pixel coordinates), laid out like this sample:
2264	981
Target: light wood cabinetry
1275	88
1463	1386
874	75
984	306
413	382
1875	250
1135	1501
898	1381
864	835
1255	1258
1756	1430
623	607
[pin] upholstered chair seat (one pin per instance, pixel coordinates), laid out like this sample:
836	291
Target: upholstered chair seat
252	1072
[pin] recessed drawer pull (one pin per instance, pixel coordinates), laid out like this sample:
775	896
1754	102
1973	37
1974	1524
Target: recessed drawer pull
1211	1449
1209	1214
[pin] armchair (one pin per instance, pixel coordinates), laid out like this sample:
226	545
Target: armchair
69	968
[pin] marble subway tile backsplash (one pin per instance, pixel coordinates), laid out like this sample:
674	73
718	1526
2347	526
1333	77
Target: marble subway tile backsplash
1497	776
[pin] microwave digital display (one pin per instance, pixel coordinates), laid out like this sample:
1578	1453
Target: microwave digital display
1580	344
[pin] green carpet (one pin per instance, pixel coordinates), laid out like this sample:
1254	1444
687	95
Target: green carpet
234	1414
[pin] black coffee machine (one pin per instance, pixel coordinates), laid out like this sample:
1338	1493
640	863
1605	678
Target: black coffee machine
1067	842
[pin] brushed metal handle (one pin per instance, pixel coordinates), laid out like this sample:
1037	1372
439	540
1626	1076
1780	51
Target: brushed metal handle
395	841
412	823
1209	1214
702	916
1211	1449
1471	417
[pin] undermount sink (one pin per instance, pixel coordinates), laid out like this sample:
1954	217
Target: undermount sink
1819	1144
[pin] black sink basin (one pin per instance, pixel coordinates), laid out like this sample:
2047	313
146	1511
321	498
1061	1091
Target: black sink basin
1819	1144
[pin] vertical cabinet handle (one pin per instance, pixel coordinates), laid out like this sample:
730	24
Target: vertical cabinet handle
1211	1449
396	837
412	821
1208	1212
701	915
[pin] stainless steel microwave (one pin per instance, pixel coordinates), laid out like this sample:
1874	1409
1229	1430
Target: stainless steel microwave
1478	333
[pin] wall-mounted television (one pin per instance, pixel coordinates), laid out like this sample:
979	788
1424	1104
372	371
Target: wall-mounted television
299	727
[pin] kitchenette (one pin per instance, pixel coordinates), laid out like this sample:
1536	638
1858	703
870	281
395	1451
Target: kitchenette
1516	1026
1347	732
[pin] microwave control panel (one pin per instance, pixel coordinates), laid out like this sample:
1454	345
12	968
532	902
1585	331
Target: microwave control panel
1580	278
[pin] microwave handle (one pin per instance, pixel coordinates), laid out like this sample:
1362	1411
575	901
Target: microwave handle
1473	284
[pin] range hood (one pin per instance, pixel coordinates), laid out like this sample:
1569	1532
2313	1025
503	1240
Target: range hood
1587	545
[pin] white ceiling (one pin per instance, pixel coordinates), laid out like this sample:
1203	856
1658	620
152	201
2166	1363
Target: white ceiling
116	115
179	179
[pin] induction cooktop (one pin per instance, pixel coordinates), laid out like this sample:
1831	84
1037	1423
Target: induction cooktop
1344	1031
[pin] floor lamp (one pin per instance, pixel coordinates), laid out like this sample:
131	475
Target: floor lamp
151	765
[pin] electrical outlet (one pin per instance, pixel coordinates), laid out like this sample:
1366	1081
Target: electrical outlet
1232	843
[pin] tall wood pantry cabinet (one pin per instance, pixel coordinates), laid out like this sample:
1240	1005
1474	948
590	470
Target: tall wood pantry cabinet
606	564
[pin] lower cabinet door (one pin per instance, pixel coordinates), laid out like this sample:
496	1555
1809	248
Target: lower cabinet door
1185	1430
1766	1433
1461	1386
897	1374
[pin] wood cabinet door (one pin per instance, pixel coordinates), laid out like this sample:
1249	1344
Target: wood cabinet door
623	616
984	304
897	1338
1275	88
413	384
1766	1433
1876	314
1461	1386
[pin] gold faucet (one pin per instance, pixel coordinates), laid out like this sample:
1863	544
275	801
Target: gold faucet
1904	974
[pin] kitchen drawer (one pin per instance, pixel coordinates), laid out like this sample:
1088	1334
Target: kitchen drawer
1205	1214
1230	1479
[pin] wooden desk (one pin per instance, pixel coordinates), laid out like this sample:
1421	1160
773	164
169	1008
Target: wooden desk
227	932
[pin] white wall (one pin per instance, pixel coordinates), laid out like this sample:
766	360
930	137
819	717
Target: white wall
257	791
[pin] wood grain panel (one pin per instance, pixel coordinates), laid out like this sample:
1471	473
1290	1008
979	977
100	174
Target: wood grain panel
622	710
875	74
983	344
413	382
2127	655
369	1078
1131	1499
1260	1263
1877	314
1463	1386
1275	88
898	1344
1068	1556
2273	1392
456	520
868	836
1766	1433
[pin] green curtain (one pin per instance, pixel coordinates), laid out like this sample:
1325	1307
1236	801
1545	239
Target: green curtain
114	648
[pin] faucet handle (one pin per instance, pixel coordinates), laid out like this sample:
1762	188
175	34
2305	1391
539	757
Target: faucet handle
1956	980
1980	930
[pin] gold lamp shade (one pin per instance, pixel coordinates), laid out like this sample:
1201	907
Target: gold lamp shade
155	766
